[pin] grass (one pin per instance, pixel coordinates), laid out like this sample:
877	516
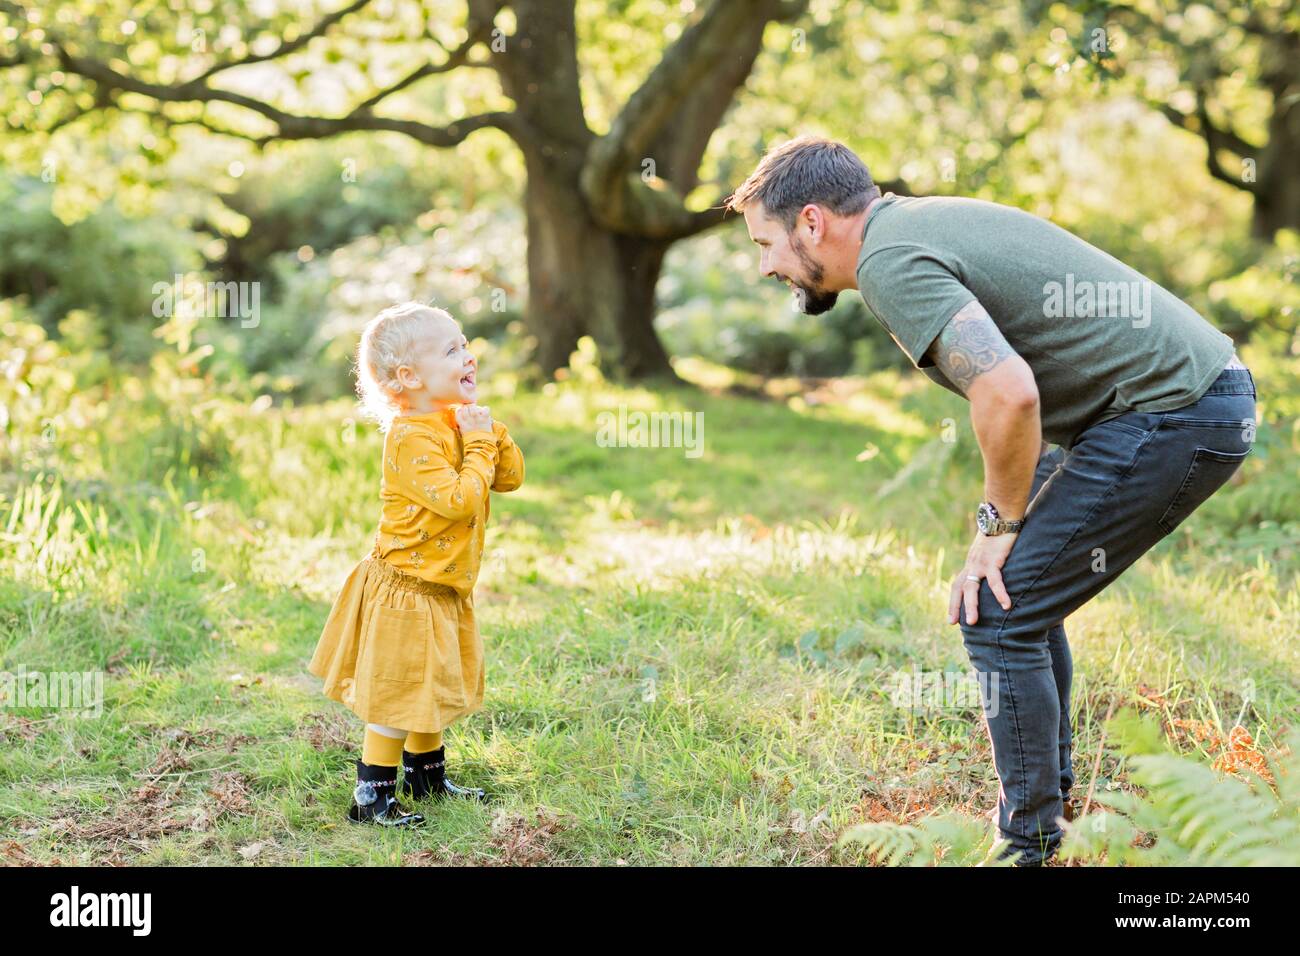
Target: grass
689	659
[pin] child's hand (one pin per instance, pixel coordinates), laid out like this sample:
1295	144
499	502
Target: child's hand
474	418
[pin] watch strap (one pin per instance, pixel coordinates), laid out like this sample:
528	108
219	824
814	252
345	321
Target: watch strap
999	525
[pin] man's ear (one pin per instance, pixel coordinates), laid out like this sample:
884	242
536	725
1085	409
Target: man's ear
813	219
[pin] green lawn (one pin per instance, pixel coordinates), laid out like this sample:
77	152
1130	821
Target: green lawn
689	660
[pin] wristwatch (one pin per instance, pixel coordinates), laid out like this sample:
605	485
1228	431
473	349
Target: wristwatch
986	516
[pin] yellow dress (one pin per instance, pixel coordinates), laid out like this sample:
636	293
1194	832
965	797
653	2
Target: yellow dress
401	646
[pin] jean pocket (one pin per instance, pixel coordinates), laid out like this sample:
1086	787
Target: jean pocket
1239	424
398	642
1209	471
1127	426
1137	424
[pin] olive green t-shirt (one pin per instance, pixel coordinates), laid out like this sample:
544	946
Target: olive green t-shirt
1101	338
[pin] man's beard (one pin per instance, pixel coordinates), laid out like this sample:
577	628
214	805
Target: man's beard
812	298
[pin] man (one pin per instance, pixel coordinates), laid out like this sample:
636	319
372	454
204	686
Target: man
1051	340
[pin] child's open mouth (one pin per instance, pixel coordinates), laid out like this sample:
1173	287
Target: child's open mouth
468	380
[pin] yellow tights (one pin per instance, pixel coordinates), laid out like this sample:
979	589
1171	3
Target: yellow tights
383	745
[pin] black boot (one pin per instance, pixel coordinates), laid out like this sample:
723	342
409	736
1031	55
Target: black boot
426	776
375	799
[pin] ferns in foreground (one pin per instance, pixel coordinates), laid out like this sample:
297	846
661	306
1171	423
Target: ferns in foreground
1188	815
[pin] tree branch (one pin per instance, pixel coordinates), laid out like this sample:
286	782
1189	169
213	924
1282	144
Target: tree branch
289	125
284	48
478	31
697	222
200	120
1216	138
682	101
680	146
1220	137
684	65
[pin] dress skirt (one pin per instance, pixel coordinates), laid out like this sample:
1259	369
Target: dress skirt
401	651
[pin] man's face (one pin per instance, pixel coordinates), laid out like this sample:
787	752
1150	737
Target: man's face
784	256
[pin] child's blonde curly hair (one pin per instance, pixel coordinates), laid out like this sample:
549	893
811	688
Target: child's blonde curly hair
387	341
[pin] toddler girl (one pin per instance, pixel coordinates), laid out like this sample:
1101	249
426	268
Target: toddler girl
401	648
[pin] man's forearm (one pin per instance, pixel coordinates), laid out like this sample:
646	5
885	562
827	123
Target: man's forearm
1011	440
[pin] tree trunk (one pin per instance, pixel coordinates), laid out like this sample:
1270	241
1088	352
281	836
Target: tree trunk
557	311
643	354
1277	202
1278	208
585	280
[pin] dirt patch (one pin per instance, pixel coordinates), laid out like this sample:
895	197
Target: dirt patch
522	841
804	841
329	730
154	808
15	729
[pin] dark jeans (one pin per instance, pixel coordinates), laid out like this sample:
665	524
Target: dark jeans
1093	511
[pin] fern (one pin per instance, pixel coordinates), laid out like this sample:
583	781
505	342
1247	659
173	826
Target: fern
1190	815
947	839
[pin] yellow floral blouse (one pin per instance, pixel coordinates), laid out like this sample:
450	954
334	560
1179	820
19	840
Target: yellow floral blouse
435	495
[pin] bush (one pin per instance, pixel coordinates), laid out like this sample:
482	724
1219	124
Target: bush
105	264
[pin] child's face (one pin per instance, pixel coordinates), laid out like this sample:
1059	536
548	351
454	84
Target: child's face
444	365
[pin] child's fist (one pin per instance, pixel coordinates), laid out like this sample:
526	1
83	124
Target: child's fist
474	418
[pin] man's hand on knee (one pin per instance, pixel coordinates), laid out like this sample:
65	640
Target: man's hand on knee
985	559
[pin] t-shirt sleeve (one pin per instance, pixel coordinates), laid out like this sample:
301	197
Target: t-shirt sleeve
913	294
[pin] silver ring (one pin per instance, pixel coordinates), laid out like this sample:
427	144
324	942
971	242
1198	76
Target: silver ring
971	577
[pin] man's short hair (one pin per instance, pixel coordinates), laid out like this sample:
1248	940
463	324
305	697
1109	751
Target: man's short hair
809	169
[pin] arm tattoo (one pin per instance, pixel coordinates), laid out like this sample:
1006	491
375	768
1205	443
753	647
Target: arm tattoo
969	345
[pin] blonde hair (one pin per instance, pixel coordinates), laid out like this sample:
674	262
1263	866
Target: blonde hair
388	341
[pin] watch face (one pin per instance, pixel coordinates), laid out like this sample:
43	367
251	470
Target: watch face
984	516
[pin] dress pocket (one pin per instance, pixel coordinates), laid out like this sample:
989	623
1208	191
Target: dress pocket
448	683
398	641
1208	472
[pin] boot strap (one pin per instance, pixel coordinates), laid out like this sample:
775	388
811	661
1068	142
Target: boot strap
431	765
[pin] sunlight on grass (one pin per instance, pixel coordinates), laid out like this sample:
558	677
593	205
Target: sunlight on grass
689	660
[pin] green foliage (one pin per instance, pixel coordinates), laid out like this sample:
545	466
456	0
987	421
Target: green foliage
714	304
54	542
1182	813
1002	107
468	262
1188	814
1263	299
867	645
320	197
106	264
945	839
